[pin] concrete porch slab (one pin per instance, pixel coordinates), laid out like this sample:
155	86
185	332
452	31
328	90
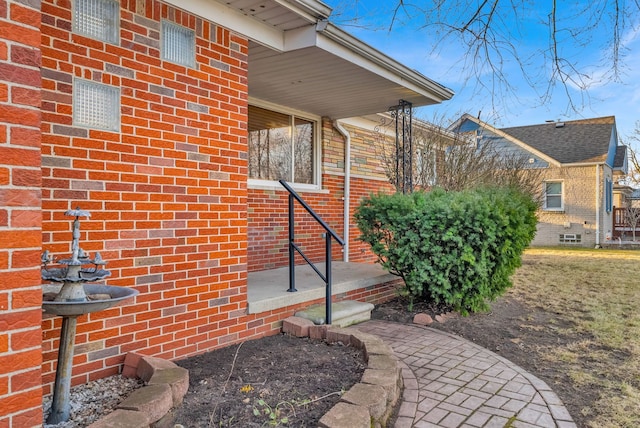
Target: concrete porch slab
267	290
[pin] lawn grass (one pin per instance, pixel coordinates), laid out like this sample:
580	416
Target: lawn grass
597	294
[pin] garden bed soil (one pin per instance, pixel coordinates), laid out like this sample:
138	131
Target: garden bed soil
274	381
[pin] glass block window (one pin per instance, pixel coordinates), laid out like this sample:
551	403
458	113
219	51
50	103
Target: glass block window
98	19
178	44
96	105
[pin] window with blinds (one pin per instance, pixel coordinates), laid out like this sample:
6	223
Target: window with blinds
281	146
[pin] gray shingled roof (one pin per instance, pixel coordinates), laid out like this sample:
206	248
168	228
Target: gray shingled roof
574	141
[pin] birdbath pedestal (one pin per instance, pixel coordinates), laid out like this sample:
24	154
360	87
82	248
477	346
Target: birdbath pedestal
69	297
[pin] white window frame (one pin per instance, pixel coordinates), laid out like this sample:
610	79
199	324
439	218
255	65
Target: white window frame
256	183
545	207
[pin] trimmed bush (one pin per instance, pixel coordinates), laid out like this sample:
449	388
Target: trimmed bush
459	248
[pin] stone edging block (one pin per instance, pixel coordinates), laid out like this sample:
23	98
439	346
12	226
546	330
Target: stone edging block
166	385
371	402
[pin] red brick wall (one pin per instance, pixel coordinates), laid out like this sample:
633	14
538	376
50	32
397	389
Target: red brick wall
167	193
267	217
20	215
268	224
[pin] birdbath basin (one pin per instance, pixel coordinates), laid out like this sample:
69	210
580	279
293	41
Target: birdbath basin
99	298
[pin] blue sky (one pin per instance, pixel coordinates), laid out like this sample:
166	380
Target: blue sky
410	41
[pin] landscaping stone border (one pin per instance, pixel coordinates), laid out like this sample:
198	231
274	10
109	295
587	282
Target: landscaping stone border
165	387
371	402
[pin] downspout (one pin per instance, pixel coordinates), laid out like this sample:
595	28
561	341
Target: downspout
347	187
597	206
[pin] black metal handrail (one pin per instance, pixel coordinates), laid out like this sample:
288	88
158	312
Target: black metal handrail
294	247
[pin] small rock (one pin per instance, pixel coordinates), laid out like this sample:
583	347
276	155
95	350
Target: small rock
422	319
440	318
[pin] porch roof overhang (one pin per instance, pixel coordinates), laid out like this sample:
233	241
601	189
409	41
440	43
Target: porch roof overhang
298	59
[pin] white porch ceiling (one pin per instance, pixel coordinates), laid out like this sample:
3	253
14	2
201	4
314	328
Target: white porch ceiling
319	82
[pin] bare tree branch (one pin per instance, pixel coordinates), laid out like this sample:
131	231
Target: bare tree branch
496	34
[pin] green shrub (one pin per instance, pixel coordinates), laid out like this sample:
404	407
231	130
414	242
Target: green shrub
459	248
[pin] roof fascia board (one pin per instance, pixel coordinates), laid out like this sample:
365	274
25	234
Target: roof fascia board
578	164
234	21
312	10
300	38
364	122
342	44
512	139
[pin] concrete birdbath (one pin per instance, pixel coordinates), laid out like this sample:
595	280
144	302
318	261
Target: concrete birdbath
69	297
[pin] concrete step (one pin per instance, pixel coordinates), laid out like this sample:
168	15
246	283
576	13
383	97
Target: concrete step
343	314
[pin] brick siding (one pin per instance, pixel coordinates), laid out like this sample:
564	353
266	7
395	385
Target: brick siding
170	208
167	193
268	209
579	207
20	215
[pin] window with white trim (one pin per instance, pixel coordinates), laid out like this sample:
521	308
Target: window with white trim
98	19
553	196
570	238
281	146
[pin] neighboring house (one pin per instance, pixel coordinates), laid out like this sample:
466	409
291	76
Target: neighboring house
170	122
581	162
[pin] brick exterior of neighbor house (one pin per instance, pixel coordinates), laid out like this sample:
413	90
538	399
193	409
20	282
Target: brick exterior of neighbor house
581	160
20	215
579	214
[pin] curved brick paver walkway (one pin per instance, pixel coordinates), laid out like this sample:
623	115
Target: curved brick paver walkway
451	382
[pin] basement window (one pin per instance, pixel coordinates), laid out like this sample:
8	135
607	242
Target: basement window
178	44
570	238
98	19
96	105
